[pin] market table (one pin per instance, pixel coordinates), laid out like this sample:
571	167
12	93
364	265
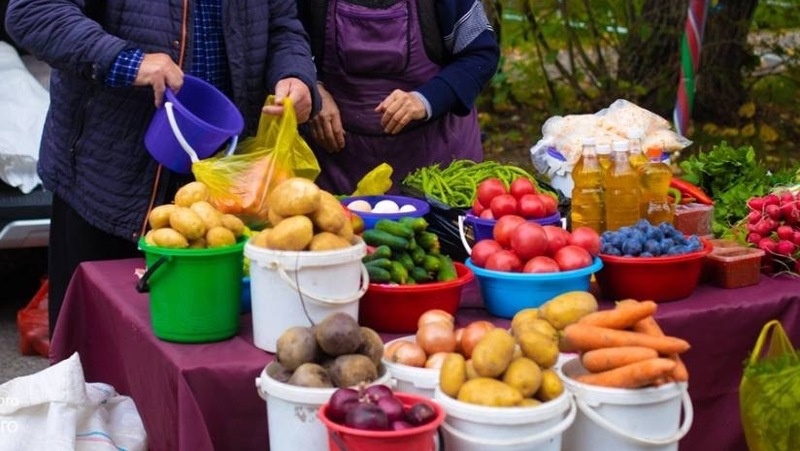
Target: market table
203	396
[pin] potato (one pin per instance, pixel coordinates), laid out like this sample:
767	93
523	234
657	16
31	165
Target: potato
347	232
452	374
210	215
148	238
538	347
327	241
523	316
168	237
529	402
493	353
220	237
190	193
199	243
294	196
536	325
486	391
524	375
260	238
330	216
551	387
291	234
234	224
159	216
372	346
568	308
296	346
311	375
350	370
273	218
187	222
470	368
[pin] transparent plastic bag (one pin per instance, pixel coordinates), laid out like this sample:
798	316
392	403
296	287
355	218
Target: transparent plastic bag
33	324
769	393
240	183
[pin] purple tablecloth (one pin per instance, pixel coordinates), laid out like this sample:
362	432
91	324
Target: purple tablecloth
203	397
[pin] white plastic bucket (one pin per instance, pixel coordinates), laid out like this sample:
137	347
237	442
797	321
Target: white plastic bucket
412	379
626	419
470	427
301	288
292	411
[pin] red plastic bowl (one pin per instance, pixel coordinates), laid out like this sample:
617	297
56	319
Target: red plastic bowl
659	279
397	308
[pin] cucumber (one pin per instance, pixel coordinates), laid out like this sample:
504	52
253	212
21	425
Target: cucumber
375	237
405	259
382	251
378	274
419	274
431	263
384	263
447	271
395	228
417	255
428	241
398	272
417	224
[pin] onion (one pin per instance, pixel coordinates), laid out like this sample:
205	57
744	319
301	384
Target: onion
374	393
410	354
388	351
367	416
435	315
392	407
436	360
342	401
401	425
472	334
436	337
420	413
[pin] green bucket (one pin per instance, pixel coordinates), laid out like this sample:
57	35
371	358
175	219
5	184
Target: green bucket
195	294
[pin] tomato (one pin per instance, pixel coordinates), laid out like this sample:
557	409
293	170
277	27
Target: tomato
550	204
541	264
477	207
556	238
521	186
572	257
503	228
488	189
482	250
531	206
503	205
529	240
587	238
504	260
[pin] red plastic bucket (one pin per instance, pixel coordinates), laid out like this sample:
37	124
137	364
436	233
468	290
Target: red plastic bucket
421	438
193	123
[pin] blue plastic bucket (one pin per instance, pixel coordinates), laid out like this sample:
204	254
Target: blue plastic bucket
506	293
193	124
482	229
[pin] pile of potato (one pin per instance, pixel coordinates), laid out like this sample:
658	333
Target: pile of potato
192	222
337	352
304	217
514	368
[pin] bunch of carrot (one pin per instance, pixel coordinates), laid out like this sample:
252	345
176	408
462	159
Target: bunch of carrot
624	347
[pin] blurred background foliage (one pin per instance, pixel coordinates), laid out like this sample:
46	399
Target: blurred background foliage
577	56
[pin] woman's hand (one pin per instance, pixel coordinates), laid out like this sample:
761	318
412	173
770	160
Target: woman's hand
159	71
399	108
326	127
295	89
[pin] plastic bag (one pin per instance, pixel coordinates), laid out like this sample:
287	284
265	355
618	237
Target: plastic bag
33	324
769	393
240	183
376	182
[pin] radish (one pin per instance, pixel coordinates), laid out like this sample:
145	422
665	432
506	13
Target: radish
786	198
771	199
773	211
796	238
767	245
785	232
756	204
753	238
754	216
785	248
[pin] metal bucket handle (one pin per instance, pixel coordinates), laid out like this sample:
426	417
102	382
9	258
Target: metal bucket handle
141	285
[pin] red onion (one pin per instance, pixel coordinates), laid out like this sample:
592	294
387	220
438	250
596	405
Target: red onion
342	401
373	393
392	407
420	413
368	417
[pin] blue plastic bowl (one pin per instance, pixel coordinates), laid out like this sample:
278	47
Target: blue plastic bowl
506	293
422	208
482	228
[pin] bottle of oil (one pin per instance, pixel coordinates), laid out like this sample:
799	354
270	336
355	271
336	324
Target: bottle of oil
587	194
622	191
654	178
604	156
636	155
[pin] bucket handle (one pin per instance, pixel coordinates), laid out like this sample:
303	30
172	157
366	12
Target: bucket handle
688	417
285	277
173	124
141	285
559	428
462	234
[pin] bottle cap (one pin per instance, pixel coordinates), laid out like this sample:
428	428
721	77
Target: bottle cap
603	148
588	141
619	146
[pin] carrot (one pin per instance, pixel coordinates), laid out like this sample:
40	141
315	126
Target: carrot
632	375
623	316
604	359
585	337
649	326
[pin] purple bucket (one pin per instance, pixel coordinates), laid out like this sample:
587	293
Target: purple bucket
482	228
197	121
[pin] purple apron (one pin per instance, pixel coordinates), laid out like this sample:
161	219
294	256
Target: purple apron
368	54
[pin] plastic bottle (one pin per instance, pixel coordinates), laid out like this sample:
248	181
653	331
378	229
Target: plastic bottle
587	193
654	178
636	156
604	156
622	191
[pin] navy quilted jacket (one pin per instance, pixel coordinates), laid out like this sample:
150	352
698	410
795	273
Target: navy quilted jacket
92	153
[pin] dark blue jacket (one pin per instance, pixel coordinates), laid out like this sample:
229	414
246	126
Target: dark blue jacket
92	153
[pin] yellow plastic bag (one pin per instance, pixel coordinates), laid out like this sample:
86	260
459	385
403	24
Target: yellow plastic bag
769	393
240	183
376	182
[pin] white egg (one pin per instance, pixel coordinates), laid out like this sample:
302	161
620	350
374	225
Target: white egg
359	205
407	208
386	206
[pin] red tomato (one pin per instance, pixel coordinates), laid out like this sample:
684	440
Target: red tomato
556	238
488	189
550	204
482	250
529	240
587	238
477	207
521	186
531	206
503	205
504	260
503	228
486	214
541	264
572	257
